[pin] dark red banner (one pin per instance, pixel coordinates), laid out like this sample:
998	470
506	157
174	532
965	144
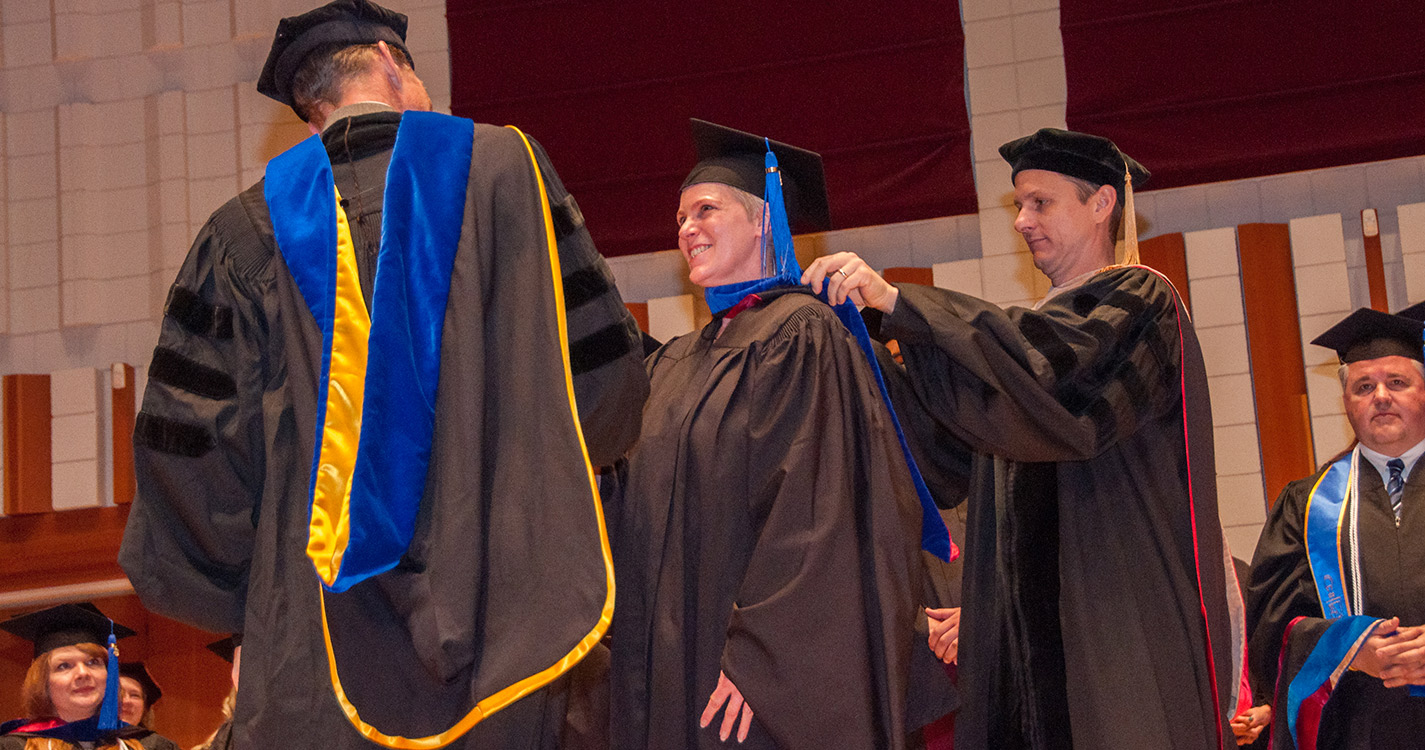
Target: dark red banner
1206	91
608	87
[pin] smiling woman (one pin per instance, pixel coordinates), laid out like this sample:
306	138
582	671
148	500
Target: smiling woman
767	490
65	687
720	234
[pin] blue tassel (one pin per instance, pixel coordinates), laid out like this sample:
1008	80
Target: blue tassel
109	710
783	250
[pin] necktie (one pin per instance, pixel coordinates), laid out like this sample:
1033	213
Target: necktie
1396	485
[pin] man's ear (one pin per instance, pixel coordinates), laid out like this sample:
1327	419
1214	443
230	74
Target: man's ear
389	68
1104	200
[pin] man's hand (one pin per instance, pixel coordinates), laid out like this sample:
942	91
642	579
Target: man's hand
1402	659
1394	655
726	692
1248	725
846	275
944	633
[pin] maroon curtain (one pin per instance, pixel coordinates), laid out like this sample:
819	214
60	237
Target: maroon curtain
608	87
1204	90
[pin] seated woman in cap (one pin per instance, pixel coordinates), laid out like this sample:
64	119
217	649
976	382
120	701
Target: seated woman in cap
137	693
766	531
66	686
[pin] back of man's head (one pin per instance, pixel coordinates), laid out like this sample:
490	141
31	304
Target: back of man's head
314	45
327	73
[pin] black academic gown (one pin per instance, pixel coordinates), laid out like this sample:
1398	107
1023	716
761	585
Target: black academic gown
1361	712
1091	555
767	528
504	574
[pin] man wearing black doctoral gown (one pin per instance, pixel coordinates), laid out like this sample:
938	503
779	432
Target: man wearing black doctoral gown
768	527
502	582
1337	595
1095	609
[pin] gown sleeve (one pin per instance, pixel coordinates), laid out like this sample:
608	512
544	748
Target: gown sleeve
1281	588
818	637
198	439
1061	383
605	345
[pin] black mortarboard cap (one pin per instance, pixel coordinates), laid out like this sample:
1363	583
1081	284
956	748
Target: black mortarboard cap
224	648
340	22
1087	157
1414	312
64	625
136	671
735	158
1370	334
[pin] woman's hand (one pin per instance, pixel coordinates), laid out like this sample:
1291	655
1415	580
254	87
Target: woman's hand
846	275
944	633
1248	725
726	692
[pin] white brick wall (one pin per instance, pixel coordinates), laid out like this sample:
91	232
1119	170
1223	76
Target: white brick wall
1215	287
1323	297
135	120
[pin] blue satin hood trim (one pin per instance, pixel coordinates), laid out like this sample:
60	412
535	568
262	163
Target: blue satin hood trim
423	209
1322	523
719	298
934	536
1330	649
74	732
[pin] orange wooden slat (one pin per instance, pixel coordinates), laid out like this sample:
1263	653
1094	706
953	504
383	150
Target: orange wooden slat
1375	263
27	444
1274	345
122	429
1167	254
640	313
909	275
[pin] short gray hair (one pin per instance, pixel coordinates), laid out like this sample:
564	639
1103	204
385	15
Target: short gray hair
754	205
1342	371
327	70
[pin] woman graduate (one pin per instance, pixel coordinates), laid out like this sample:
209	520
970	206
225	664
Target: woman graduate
71	691
767	533
137	693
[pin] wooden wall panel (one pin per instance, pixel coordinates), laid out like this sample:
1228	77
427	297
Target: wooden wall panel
1274	345
640	313
1167	254
121	397
1375	262
61	547
909	275
27	444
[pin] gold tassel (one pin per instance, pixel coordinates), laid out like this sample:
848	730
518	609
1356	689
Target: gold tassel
1130	221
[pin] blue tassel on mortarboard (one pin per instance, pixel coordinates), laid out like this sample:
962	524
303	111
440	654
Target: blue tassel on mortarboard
109	709
784	252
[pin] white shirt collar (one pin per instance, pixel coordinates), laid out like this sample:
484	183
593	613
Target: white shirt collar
1378	460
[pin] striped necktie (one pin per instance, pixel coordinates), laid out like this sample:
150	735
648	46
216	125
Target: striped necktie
1396	485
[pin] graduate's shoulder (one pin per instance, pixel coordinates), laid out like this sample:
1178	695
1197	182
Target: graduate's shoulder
1293	497
1135	291
795	315
1141	281
238	234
